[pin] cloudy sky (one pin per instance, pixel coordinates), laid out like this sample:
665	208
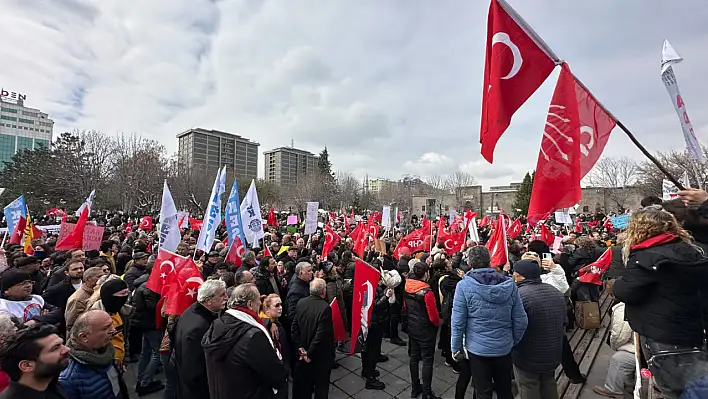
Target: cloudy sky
390	87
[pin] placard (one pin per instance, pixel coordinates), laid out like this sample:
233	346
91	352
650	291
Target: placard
620	222
311	218
93	235
292	219
563	217
669	190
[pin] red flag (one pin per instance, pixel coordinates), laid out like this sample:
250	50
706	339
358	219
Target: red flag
497	245
182	291
372	228
608	224
418	240
340	334
484	222
547	236
19	231
528	228
266	252
64	217
443	233
331	240
357	230
515	229
164	269
128	229
271	218
146	223
75	239
515	66
366	279
578	226
453	242
576	132
592	272
195	224
360	244
236	251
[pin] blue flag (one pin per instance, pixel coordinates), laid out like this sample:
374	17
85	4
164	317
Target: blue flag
233	216
14	211
212	215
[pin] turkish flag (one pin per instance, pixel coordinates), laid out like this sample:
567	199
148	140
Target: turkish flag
528	228
372	228
608	224
357	230
418	240
75	239
484	222
340	333
182	292
592	272
497	245
146	223
271	218
360	244
515	229
515	66
164	270
128	229
578	226
453	242
547	236
576	132
331	240
19	231
366	279
236	251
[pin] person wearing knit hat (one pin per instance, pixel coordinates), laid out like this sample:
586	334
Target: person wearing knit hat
17	299
540	351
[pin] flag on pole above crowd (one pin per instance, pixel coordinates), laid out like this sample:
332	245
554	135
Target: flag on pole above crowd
251	216
669	57
234	224
75	239
212	215
88	203
169	225
14	211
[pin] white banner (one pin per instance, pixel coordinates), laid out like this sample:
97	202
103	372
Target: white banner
311	219
474	235
386	217
669	190
563	217
669	56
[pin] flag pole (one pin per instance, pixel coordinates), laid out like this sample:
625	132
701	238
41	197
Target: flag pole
547	50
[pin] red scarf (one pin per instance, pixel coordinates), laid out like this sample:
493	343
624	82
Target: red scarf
250	313
656	241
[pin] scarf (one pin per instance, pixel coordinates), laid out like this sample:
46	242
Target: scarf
91	357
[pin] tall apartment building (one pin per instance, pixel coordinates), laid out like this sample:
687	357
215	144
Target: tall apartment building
285	165
21	127
375	186
209	150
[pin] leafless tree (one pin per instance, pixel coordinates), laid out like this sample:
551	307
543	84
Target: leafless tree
455	184
614	173
348	188
677	163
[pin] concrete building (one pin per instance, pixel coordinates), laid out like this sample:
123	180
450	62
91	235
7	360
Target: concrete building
21	127
209	150
375	186
285	165
594	199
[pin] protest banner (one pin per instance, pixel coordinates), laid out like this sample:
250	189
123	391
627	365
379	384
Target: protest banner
93	235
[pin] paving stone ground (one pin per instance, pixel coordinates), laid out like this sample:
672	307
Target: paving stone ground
346	381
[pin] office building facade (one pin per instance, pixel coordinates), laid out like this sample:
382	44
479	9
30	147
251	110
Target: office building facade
21	127
209	150
285	166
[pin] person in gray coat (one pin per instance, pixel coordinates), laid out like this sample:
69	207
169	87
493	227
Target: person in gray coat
539	353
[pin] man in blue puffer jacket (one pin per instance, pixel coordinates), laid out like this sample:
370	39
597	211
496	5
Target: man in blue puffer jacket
93	372
488	319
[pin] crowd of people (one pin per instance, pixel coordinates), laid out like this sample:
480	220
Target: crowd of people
72	321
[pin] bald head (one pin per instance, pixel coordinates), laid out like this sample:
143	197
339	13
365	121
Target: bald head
318	287
93	330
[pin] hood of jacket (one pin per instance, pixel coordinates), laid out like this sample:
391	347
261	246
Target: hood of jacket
413	286
223	334
491	285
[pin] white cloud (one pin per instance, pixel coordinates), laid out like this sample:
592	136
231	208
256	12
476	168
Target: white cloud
377	83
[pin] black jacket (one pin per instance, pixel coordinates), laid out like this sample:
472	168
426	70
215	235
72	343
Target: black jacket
58	295
312	329
264	284
447	285
541	347
665	294
297	289
144	305
188	353
132	274
122	259
240	362
582	257
380	310
17	391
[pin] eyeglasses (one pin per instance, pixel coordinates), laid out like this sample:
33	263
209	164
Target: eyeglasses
277	305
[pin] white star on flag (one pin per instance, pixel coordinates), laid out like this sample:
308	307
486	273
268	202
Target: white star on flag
163	275
191	292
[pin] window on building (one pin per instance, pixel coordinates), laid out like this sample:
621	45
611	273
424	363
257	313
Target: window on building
40	143
24	143
422	208
586	209
8	118
27	121
26	113
7	148
10	110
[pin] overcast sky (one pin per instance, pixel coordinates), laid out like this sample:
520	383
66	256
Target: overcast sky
390	87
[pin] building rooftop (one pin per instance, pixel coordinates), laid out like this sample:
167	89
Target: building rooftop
289	149
215	133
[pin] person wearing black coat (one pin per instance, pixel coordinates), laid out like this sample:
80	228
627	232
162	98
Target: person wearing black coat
241	361
139	267
143	320
299	287
371	351
396	308
313	338
123	258
265	278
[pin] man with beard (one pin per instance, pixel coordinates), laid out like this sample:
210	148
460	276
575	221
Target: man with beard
58	274
33	359
16	298
59	294
93	372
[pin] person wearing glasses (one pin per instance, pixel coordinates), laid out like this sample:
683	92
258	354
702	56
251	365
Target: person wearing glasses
271	310
16	298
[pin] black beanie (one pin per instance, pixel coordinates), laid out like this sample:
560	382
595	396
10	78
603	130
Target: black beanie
112	303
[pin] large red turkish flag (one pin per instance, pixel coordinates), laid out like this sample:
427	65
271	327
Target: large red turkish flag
366	279
331	240
497	245
164	270
515	66
182	291
418	240
236	251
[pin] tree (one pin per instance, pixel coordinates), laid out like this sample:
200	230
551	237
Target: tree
326	177
677	163
455	184
614	173
348	188
523	195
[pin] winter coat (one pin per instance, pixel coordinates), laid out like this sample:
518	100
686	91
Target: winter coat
297	290
446	285
540	348
422	311
265	280
665	293
188	353
144	306
132	274
89	381
122	260
556	278
240	361
59	294
380	310
582	257
335	289
487	313
621	334
312	329
19	391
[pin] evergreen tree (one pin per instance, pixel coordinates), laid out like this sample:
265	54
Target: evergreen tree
523	195
326	178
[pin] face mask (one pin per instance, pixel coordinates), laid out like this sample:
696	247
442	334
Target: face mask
39	255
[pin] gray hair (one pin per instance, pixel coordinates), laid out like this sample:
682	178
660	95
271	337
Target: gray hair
82	325
7	325
208	290
248	256
300	267
242	294
92	272
478	257
317	286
